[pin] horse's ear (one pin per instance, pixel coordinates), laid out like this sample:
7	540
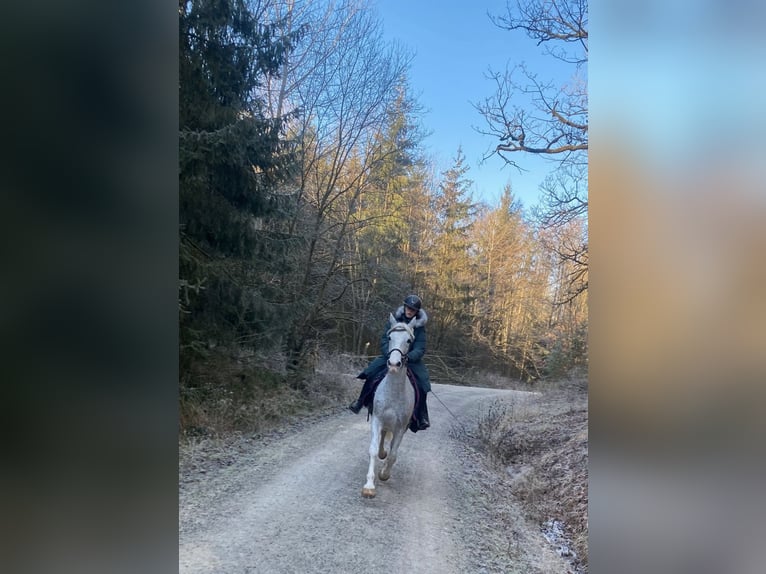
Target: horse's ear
391	319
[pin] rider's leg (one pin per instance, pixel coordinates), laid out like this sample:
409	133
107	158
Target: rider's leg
367	388
421	414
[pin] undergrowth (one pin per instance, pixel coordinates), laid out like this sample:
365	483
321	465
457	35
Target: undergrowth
240	392
541	443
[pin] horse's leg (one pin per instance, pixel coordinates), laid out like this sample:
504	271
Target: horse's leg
382	447
385	472
368	491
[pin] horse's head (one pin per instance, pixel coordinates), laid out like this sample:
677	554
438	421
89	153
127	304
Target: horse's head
400	337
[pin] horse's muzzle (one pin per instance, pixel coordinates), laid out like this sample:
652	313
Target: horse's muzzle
395	365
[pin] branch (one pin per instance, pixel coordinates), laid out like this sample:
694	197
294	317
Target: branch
568	122
544	150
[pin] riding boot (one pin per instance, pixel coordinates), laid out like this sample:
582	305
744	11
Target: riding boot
422	416
357	405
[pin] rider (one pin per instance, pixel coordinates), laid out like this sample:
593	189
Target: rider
412	313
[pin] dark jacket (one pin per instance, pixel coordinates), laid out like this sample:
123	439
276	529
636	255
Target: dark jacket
415	355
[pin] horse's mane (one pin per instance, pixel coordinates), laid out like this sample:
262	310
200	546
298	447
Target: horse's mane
402	326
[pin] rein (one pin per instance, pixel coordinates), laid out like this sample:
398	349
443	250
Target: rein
447	408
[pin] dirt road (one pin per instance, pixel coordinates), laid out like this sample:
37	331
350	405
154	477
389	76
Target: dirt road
293	504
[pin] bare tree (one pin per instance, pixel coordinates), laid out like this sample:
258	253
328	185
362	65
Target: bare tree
341	80
556	126
532	116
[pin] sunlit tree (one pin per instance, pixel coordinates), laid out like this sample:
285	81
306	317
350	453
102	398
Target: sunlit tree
529	114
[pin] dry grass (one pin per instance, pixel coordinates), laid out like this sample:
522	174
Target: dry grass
542	444
234	393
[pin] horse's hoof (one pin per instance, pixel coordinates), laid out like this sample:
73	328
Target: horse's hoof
382	455
368	492
384	475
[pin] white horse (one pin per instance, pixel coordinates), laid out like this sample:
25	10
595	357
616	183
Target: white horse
392	407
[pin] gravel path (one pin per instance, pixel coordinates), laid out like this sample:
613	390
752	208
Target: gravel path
292	503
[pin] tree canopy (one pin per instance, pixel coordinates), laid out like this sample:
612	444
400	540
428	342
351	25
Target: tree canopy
309	208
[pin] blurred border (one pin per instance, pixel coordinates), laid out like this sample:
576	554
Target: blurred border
89	322
678	304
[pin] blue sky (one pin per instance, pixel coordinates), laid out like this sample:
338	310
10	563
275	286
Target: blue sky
455	44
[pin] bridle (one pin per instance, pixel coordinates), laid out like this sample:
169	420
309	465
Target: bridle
403	355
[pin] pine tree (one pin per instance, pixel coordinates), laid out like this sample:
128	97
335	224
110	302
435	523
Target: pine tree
388	229
231	161
450	268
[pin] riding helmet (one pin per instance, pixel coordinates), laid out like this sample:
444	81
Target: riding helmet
413	302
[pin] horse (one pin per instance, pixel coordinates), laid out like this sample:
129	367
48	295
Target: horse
393	405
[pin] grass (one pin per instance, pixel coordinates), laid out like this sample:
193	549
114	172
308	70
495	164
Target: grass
542	444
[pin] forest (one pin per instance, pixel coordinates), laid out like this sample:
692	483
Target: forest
309	208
